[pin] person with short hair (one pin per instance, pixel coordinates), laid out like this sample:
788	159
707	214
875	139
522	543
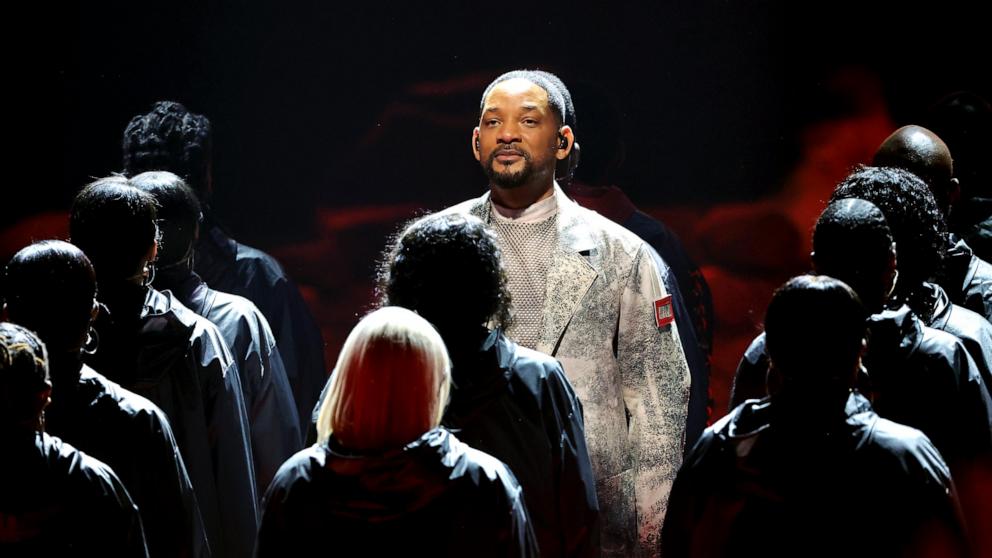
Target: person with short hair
920	232
153	345
171	138
589	293
54	499
51	288
966	277
915	375
384	479
813	469
275	430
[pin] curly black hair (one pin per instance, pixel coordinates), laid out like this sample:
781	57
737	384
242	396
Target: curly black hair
916	223
447	268
169	138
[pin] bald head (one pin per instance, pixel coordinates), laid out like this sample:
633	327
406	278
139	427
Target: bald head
921	152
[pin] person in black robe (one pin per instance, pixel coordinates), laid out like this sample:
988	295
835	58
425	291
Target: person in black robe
384	479
170	138
920	232
812	470
275	429
54	499
914	374
51	289
509	401
966	277
154	346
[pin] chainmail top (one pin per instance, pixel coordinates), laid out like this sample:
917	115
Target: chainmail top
527	251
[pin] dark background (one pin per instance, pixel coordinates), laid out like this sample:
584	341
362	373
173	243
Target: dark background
320	104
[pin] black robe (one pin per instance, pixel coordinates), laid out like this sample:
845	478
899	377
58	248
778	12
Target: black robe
131	435
58	501
434	497
517	405
967	279
915	375
179	361
765	481
231	267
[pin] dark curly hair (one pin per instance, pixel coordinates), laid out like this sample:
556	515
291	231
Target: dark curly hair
916	223
169	138
448	269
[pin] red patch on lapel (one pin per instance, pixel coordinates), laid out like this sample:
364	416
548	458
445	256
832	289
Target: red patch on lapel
663	313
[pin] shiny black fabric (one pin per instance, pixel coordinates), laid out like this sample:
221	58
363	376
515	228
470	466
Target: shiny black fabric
231	267
768	480
967	279
433	497
517	405
58	501
972	329
272	412
179	361
131	435
915	375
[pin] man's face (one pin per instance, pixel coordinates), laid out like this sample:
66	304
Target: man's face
517	137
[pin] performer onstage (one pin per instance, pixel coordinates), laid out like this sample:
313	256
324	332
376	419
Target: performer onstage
587	292
158	348
385	480
275	430
508	401
171	138
813	470
51	288
54	500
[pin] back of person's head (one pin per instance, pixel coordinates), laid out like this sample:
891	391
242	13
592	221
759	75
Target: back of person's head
390	384
114	224
448	269
916	222
24	384
170	138
814	335
179	214
51	289
964	120
921	152
852	242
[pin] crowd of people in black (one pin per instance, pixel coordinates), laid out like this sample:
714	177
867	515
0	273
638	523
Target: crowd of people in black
531	382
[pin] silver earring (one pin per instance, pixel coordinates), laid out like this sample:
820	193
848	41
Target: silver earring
92	341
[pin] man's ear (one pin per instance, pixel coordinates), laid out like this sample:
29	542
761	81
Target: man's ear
953	192
476	148
95	311
812	259
565	138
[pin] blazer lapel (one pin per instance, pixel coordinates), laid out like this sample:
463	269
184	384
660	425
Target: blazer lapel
569	276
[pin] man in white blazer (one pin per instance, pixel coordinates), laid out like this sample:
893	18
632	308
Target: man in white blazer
589	293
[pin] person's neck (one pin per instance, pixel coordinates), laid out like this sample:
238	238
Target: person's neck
124	300
176	278
522	196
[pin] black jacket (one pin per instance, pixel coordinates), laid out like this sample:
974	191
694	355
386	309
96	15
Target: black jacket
57	501
179	361
517	405
231	267
972	329
968	279
433	497
915	375
765	481
131	435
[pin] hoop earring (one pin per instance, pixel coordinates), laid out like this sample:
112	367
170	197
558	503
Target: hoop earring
92	342
149	275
